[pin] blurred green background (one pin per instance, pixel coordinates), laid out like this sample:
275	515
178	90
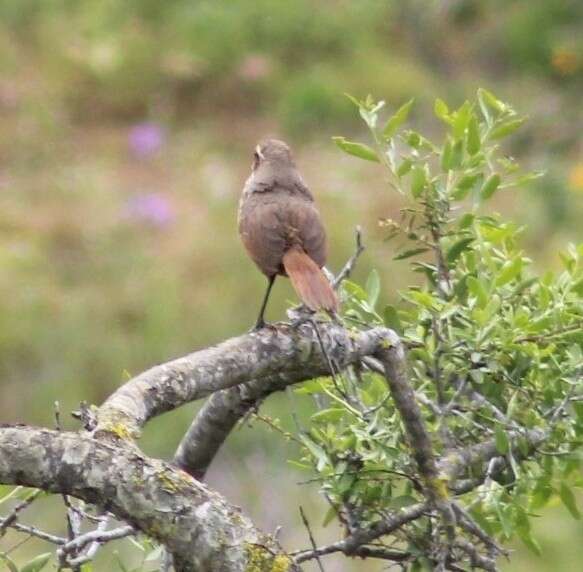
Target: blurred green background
126	133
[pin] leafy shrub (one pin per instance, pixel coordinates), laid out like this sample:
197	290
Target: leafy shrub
495	351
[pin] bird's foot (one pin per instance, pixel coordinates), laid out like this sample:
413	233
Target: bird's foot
262	325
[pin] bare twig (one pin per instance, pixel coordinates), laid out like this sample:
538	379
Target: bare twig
34	531
10	519
466	521
74	520
477	559
349	266
351	544
97	537
86	415
312	540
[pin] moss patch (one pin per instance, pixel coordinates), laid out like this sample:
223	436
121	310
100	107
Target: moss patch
261	559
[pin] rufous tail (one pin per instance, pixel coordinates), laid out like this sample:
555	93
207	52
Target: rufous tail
309	281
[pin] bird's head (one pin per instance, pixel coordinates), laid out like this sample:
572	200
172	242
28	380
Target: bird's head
273	153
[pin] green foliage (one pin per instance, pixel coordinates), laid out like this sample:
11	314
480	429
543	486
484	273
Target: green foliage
36	564
480	322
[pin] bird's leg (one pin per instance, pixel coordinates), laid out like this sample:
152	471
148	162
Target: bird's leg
260	321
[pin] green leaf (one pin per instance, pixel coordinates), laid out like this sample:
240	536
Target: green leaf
370	113
155	554
506	128
355	290
466	221
465	185
477	289
373	287
531	543
120	562
311	387
452	155
457	154
446	155
522	523
8	492
357	149
404	167
473	142
9	562
442	111
418	181
329	516
504	517
490	186
397	119
410	253
524	285
391	318
578	288
502	444
569	501
423	298
37	563
461	119
316	451
332	415
488	100
541	494
402	501
456	249
509	271
353	100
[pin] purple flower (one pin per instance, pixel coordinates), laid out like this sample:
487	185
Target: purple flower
146	139
151	208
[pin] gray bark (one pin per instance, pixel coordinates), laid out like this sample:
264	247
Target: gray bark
201	529
105	467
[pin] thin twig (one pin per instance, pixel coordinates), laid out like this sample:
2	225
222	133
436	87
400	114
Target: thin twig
329	362
78	543
10	519
478	561
92	550
351	544
74	520
33	531
349	266
466	521
312	540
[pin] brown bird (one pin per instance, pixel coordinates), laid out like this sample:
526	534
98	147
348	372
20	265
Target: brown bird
281	229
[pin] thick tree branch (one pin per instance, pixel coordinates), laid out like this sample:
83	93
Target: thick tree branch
392	356
201	530
217	418
197	525
220	413
286	351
